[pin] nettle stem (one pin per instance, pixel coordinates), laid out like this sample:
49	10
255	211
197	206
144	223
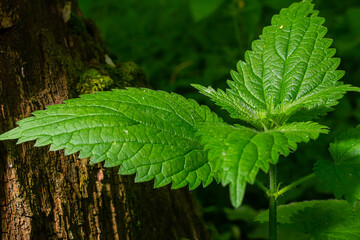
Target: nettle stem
273	193
294	184
272	204
262	187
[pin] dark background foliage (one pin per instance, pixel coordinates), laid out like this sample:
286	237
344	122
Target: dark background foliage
193	41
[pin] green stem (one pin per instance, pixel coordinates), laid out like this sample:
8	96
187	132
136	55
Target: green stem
294	184
261	186
272	204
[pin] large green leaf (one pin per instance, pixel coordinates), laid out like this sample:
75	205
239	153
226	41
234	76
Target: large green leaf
341	175
237	153
290	70
320	220
150	133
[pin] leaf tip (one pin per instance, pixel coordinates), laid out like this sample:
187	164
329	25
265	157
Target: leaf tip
12	134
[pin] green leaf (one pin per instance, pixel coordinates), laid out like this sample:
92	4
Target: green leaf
244	213
150	133
341	175
301	132
200	9
290	70
320	220
237	109
237	153
286	212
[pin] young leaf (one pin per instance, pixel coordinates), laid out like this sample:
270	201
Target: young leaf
320	220
237	153
341	175
290	70
150	133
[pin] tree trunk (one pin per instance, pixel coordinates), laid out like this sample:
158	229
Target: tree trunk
46	195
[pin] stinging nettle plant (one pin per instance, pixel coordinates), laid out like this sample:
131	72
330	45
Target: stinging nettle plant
288	79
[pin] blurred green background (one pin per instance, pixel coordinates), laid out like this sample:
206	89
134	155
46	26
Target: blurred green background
199	41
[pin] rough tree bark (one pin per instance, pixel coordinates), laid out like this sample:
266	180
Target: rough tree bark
45	195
